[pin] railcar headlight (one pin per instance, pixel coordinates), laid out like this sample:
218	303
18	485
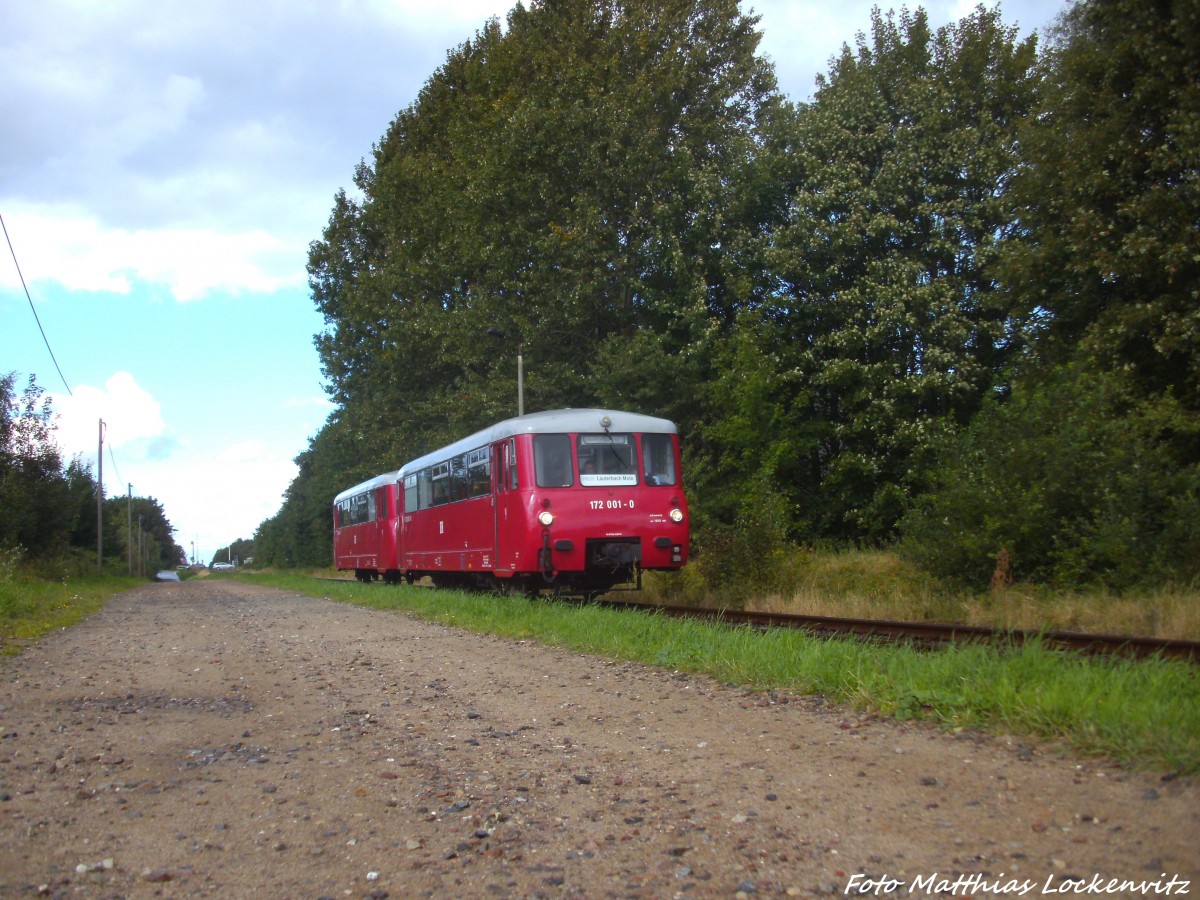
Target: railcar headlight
546	517
676	515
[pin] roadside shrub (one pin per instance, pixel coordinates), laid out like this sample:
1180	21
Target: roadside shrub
1081	482
731	564
10	560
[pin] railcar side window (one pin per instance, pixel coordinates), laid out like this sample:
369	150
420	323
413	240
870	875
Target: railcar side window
552	460
357	510
425	489
441	484
459	489
410	493
606	460
479	472
658	458
515	482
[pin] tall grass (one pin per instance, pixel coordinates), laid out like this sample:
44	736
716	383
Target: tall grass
879	584
1143	713
30	606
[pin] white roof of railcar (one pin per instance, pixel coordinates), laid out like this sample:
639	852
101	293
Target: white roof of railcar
554	421
371	484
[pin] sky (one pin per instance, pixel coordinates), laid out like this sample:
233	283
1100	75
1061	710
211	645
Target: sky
164	166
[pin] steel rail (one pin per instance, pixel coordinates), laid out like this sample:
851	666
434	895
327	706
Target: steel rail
936	633
928	634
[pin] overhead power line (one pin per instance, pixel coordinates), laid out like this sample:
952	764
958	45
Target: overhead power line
32	307
46	340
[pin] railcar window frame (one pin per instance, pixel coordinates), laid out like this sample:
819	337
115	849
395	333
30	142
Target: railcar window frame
439	475
411	503
553	465
658	459
459	486
479	473
613	458
465	476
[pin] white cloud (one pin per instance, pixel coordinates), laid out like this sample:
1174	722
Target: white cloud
198	148
211	494
437	14
320	401
131	415
63	245
245	453
217	498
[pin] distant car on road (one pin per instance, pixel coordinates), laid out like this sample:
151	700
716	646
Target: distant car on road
223	567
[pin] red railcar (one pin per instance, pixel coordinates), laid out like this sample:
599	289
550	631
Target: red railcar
579	501
365	532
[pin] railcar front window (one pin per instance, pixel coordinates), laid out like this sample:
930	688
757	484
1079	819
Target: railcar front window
552	460
658	458
606	460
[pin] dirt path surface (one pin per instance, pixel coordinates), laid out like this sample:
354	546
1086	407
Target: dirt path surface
216	739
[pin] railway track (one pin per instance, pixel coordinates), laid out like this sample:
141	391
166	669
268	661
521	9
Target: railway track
928	634
934	633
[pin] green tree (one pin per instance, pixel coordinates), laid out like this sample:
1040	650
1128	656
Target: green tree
49	508
1077	477
563	181
1090	473
81	504
880	326
302	532
570	180
238	553
33	491
153	534
1108	255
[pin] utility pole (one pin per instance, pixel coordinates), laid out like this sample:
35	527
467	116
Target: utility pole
500	335
100	501
129	528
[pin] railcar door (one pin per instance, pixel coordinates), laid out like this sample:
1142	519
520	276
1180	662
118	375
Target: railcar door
506	507
386	536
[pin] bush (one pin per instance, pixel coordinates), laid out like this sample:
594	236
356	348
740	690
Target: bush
1081	482
731	564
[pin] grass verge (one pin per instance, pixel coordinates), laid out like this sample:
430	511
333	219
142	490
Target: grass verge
1140	713
31	607
878	584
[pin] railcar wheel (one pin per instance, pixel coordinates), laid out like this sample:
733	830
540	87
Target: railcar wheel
522	587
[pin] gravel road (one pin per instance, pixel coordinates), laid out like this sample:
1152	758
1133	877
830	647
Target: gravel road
218	739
